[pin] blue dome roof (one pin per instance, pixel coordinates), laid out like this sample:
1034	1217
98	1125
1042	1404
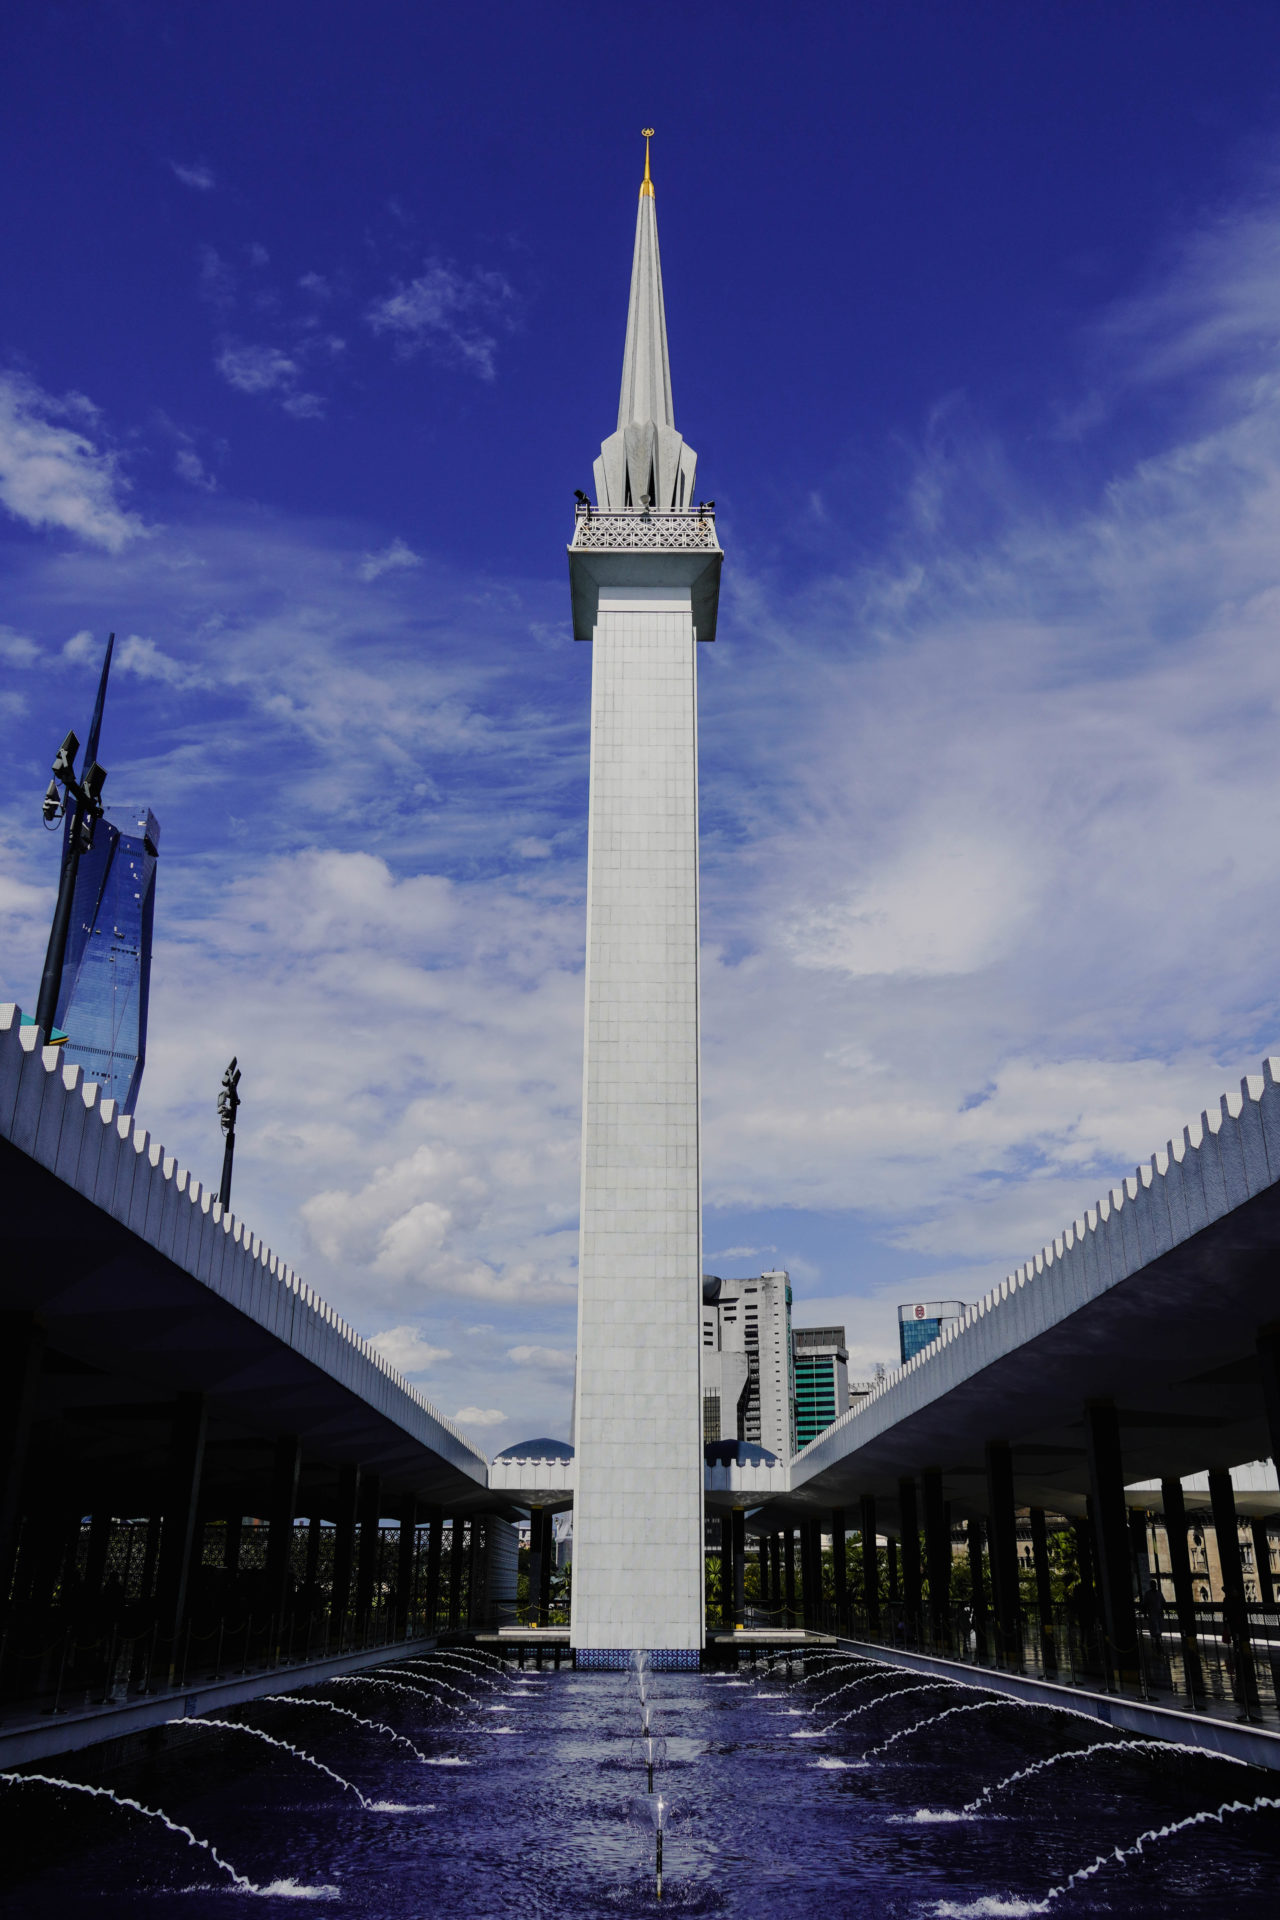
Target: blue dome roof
537	1450
738	1453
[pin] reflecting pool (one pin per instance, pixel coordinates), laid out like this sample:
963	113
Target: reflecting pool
452	1786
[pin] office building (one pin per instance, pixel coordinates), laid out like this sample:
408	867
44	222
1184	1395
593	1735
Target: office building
920	1323
106	977
747	1386
821	1362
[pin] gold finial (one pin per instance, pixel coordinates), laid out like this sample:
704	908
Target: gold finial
646	185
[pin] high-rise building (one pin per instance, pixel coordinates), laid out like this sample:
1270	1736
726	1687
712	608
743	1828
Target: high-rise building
822	1380
920	1323
644	569
106	976
747	1388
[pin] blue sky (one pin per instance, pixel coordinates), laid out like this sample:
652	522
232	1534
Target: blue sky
310	323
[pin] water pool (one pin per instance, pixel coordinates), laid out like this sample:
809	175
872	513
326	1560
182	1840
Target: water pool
523	1793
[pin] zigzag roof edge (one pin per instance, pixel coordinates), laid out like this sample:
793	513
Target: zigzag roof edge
1107	1219
61	1086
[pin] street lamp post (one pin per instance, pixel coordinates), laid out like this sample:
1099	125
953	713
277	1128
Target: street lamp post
228	1107
82	798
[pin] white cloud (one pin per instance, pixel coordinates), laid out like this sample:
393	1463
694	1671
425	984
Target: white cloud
407	1351
479	1417
52	474
557	1361
256	369
949	903
144	658
198	176
188	466
388	560
457	315
16	650
531	847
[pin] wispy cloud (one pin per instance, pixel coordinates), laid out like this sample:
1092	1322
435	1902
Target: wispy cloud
197	175
390	559
458	316
252	367
406	1349
556	1361
53	474
188	466
479	1417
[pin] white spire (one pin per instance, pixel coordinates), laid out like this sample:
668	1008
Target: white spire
645	462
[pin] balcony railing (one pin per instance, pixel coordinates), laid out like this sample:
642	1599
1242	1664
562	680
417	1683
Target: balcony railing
637	529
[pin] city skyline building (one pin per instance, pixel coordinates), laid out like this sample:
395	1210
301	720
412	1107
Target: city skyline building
105	994
644	569
920	1322
821	1361
748	1386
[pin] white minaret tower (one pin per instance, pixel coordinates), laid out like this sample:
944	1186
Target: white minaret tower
644	568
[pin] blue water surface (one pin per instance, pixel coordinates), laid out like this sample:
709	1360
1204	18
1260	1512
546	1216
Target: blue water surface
547	1814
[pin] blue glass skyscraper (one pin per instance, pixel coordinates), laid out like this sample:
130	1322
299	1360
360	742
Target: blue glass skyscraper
106	979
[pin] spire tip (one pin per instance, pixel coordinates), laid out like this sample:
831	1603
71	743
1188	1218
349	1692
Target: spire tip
646	185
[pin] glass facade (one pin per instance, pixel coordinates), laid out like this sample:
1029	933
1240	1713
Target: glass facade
920	1323
816	1404
106	978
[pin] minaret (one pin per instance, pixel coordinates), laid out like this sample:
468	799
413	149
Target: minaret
644	569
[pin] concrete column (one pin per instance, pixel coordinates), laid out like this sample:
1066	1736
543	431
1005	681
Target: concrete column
151	1555
21	1359
726	1572
870	1564
1111	1535
1002	1536
1044	1585
1175	1527
183	1471
475	1570
435	1542
535	1567
789	1573
370	1510
937	1553
96	1560
1090	1603
344	1547
775	1575
548	1565
839	1579
891	1556
977	1580
456	1547
739	1528
1234	1605
501	1550
1269	1374
313	1557
284	1504
912	1596
1262	1559
406	1563
762	1550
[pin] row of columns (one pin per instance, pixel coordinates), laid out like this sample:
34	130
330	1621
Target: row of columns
1104	1542
174	1530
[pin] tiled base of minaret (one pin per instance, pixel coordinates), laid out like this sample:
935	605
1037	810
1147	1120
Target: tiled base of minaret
638	1520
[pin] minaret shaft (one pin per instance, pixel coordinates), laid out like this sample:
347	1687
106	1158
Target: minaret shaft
638	1557
645	568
